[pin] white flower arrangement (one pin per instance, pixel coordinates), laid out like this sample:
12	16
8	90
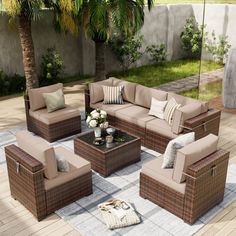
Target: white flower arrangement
97	118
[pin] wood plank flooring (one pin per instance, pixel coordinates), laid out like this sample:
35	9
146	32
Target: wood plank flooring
16	220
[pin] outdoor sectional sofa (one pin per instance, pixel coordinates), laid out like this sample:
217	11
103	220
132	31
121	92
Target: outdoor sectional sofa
54	125
132	116
195	184
34	180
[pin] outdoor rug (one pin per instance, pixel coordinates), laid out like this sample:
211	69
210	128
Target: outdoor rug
84	216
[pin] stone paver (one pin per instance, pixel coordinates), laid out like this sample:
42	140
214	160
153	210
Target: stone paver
192	81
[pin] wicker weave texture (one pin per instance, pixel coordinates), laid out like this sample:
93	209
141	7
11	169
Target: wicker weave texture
107	162
55	131
205	185
27	185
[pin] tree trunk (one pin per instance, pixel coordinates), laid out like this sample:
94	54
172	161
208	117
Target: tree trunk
27	46
100	73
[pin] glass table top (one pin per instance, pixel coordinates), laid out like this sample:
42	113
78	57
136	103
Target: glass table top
120	138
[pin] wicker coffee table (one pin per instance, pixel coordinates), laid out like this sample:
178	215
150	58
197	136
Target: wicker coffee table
106	160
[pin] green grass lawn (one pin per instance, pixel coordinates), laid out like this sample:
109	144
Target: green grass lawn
206	92
154	75
193	1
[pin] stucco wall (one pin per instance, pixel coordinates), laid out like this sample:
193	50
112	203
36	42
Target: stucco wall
163	24
44	36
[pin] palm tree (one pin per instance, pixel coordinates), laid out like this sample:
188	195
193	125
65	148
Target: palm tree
28	10
101	18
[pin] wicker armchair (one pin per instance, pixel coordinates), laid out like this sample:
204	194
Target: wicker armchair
50	126
203	187
28	184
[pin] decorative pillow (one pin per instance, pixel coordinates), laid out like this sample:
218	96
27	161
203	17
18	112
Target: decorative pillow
113	95
171	106
157	108
54	101
172	147
62	163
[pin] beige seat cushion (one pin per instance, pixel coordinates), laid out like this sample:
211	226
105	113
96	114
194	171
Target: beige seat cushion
36	95
56	116
129	89
96	90
78	167
184	113
193	153
143	96
153	169
40	150
161	127
111	109
135	115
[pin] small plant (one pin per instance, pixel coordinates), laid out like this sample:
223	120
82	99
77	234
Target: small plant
52	65
191	38
11	84
127	49
219	48
157	52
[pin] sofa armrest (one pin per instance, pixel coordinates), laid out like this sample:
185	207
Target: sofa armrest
205	185
23	158
26	180
204	124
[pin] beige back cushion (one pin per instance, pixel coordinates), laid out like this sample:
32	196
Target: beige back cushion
36	95
184	113
193	153
143	96
129	89
96	90
40	150
186	100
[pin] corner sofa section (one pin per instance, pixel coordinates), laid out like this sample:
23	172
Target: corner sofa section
132	116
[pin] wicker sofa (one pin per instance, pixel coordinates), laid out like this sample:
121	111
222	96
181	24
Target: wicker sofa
50	126
35	181
132	116
194	185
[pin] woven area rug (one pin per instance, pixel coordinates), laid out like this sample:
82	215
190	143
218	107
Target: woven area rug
84	216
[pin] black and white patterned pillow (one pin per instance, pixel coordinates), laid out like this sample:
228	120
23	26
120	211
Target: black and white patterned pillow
113	95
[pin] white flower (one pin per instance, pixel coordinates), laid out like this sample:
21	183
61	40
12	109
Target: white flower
93	123
95	115
88	119
94	111
103	113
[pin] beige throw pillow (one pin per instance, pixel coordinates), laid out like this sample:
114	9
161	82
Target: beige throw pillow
172	147
171	106
157	108
54	101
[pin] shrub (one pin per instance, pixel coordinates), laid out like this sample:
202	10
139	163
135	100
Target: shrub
218	48
157	52
52	65
127	49
191	38
11	84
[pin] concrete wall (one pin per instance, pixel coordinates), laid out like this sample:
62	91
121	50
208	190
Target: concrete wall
163	24
44	36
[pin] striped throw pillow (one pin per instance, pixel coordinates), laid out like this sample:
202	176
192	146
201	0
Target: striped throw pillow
171	106
113	95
